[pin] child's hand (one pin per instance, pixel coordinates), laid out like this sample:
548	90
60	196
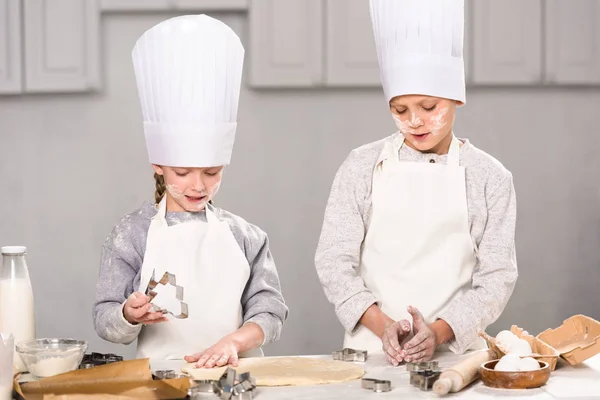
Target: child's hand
421	347
137	310
224	352
392	339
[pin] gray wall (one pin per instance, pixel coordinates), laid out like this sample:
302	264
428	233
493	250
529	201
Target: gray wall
72	165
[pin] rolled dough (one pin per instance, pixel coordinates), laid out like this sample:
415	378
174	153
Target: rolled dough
285	371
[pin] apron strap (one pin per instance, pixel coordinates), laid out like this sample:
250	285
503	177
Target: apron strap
211	218
161	211
453	152
392	148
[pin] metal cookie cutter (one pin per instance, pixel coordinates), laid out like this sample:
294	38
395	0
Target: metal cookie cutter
376	385
204	386
95	359
228	387
166	374
167	279
202	389
350	355
424	380
423	366
424	374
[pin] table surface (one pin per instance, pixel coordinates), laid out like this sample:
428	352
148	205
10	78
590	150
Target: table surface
566	382
580	382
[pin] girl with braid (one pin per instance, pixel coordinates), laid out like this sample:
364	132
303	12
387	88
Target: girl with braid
188	72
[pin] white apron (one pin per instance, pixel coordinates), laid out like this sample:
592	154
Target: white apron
210	266
418	249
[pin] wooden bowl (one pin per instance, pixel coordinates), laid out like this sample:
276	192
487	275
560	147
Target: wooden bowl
514	380
542	351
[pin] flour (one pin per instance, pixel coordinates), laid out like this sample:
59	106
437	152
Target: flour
438	122
54	366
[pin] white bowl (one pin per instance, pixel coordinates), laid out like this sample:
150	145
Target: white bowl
48	357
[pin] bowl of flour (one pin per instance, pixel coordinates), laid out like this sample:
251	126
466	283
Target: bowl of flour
50	356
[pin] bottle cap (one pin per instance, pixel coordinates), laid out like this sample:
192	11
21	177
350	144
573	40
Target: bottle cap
13	250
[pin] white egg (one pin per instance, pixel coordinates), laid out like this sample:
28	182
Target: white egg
508	363
520	348
506	337
504	346
513	357
528	364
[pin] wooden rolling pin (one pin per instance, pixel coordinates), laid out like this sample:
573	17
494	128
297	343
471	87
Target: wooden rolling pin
463	373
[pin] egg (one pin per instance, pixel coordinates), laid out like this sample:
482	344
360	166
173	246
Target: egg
508	363
520	348
506	336
505	339
528	364
511	358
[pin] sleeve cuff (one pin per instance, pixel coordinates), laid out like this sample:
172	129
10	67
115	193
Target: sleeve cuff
122	326
462	337
351	310
270	325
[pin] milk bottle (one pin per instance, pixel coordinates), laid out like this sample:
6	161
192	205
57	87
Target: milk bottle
16	299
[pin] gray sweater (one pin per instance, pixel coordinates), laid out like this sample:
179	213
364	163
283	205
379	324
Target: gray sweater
492	211
121	263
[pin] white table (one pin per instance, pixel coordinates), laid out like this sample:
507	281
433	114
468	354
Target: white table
566	382
580	382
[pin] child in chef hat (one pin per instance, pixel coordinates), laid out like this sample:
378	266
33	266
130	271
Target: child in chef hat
418	234
189	72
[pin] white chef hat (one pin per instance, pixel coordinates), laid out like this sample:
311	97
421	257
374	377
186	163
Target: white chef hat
420	47
189	72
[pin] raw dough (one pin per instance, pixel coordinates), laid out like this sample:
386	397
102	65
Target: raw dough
285	371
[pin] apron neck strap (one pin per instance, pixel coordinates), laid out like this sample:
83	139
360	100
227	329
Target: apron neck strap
211	218
162	210
453	152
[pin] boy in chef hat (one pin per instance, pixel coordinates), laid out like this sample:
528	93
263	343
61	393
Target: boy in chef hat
419	227
188	72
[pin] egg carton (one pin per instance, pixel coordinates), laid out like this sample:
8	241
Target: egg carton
540	350
576	340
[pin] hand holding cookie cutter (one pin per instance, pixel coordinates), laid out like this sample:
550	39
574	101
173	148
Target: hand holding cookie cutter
376	385
167	279
350	355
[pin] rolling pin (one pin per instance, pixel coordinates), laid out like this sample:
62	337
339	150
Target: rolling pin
463	373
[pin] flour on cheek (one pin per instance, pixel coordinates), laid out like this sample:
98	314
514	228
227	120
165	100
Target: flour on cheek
438	122
175	191
406	127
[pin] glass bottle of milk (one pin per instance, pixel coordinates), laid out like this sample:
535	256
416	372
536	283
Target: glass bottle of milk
16	298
